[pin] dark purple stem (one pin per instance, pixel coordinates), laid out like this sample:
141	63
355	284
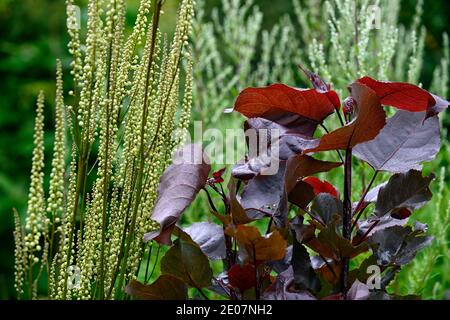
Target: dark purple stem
347	217
360	202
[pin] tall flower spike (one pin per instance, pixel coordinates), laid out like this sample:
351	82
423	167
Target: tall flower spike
19	254
55	199
36	201
187	101
73	26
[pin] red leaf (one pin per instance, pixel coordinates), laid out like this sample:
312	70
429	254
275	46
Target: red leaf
301	166
321	186
217	176
270	102
242	277
371	119
401	213
406	96
334	98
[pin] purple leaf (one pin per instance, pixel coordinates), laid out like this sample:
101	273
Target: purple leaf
404	190
266	196
281	265
326	206
440	106
209	236
284	288
179	186
397	245
304	275
384	222
246	170
358	291
402	144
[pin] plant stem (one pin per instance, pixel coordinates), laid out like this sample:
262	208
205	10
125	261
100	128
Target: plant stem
367	232
269	225
327	131
139	180
257	293
340	117
210	201
148	263
105	191
80	178
362	200
154	265
347	217
202	294
313	216
328	266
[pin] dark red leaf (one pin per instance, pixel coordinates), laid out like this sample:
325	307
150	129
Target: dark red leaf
330	244
286	123
242	277
304	276
302	194
273	101
217	176
330	271
302	166
370	120
321	186
295	135
401	213
406	96
367	228
327	208
334	98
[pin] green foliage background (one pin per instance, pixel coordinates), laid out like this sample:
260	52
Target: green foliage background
32	36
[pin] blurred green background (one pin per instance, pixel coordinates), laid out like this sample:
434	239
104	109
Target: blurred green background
33	35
